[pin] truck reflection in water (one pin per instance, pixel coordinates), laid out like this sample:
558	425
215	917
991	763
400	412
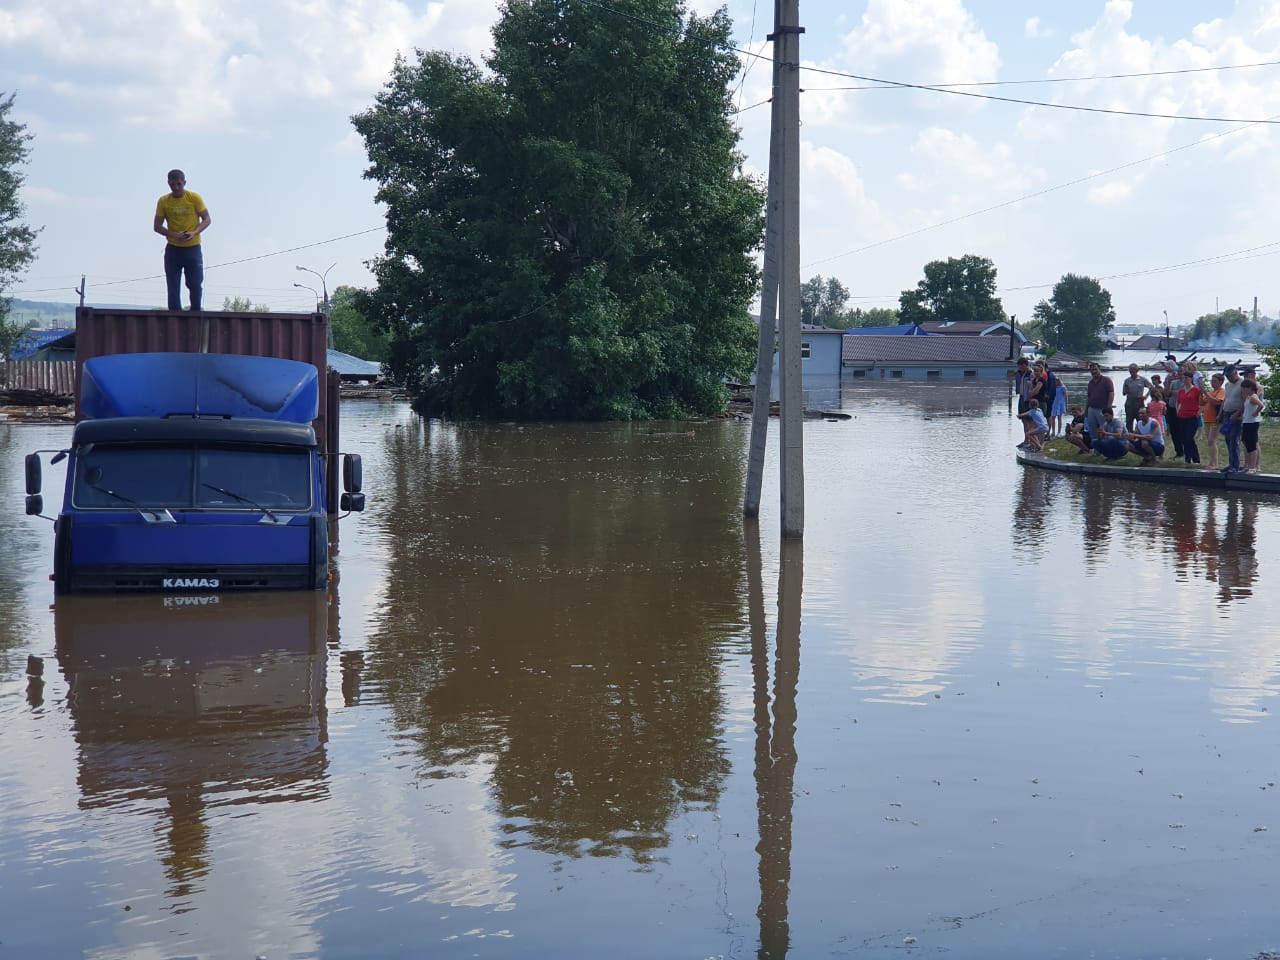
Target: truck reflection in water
195	702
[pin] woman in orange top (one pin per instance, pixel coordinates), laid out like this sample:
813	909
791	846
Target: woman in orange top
1210	405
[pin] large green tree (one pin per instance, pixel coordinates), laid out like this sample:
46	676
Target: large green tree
17	239
822	301
1077	316
353	332
955	289
569	233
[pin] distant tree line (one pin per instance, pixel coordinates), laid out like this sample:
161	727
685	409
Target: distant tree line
1234	323
1075	318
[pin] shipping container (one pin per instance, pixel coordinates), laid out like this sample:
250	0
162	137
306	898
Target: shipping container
288	336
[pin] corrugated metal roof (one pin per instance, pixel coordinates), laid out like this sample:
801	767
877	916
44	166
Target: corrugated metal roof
859	351
971	328
348	366
896	330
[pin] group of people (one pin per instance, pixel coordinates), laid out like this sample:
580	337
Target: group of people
1042	403
1229	405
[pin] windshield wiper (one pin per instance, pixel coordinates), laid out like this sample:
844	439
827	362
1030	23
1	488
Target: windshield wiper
148	514
243	499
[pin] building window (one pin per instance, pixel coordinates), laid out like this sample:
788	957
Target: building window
970	374
859	373
933	374
895	374
806	349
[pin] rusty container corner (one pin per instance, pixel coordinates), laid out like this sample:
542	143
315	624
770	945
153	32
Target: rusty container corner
289	336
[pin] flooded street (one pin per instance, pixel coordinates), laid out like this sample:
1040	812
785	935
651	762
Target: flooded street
563	701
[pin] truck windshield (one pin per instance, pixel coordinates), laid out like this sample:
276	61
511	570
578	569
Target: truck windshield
164	475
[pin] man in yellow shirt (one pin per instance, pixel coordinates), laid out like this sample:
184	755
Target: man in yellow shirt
181	217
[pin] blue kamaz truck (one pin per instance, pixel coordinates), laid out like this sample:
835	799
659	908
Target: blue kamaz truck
195	472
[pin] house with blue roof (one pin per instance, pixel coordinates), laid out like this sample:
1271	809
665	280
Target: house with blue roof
58	344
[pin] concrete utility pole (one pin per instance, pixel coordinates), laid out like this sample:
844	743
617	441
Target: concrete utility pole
783	224
768	310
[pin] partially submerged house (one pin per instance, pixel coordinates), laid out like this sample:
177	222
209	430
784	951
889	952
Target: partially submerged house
829	358
926	358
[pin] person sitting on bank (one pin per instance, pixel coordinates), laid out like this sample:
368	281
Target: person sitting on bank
1078	430
1113	439
1147	437
1035	426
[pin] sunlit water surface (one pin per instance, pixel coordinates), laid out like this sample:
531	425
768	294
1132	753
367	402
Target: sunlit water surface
564	702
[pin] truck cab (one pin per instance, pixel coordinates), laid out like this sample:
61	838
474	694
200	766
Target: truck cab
194	473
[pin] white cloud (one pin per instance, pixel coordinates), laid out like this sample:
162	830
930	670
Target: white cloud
47	196
1109	194
960	163
1034	30
230	65
929	40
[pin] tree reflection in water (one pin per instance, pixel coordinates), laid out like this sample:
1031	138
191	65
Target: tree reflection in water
553	623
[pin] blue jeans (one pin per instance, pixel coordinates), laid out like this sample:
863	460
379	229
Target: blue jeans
178	260
1113	448
1232	436
1094	419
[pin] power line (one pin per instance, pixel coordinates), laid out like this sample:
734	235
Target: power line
1032	196
1109	76
934	88
899	84
1234	256
229	263
1252	253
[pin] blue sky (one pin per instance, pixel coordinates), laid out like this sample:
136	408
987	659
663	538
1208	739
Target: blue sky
253	100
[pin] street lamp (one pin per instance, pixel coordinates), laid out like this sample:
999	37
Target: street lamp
324	289
314	292
324	303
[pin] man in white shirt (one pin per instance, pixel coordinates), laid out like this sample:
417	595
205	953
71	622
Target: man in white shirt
1231	414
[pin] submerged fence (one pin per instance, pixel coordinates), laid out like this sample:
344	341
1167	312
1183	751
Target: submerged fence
38	381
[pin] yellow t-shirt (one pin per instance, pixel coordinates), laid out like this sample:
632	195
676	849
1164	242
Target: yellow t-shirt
181	214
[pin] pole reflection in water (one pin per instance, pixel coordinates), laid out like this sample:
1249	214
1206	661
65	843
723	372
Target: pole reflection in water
775	755
181	704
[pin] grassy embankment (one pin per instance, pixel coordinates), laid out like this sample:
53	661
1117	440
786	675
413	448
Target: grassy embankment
1268	439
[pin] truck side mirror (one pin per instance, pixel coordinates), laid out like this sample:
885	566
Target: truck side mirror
351	502
352	473
35	505
33	474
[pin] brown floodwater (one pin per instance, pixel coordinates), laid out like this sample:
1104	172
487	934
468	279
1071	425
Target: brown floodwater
563	701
